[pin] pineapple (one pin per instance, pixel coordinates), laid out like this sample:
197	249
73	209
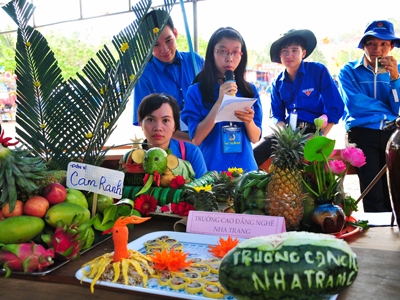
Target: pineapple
201	200
48	177
284	193
224	187
18	169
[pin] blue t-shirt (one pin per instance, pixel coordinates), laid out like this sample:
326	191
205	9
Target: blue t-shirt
192	155
312	94
370	99
172	79
211	147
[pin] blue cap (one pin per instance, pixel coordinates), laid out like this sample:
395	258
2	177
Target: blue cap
382	30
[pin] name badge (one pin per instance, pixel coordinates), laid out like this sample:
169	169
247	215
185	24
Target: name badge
293	120
232	139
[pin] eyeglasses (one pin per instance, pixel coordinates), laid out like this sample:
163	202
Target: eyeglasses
226	53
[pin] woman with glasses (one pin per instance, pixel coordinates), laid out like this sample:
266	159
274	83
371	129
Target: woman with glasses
224	144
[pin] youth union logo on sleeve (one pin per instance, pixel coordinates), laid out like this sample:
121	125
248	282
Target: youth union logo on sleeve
308	91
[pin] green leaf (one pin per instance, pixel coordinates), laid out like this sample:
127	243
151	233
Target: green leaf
124	210
314	148
55	116
109	214
360	223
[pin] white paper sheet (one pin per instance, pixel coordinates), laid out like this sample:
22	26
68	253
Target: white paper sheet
230	104
375	219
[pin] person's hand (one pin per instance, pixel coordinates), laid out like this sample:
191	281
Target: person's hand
228	88
245	116
390	64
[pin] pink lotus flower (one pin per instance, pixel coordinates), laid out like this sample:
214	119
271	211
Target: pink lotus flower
321	122
353	156
337	167
333	153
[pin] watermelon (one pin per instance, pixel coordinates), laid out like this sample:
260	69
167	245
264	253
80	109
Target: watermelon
291	265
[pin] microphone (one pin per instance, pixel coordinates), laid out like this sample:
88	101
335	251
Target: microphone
229	76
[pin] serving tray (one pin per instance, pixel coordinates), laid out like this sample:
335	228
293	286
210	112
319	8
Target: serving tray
98	239
194	244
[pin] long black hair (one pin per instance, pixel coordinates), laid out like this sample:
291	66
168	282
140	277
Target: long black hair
207	77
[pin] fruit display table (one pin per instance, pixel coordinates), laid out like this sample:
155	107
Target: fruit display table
377	249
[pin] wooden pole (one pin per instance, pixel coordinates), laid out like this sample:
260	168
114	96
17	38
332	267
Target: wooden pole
373	182
94	205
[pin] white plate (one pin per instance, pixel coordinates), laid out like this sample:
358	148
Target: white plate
194	244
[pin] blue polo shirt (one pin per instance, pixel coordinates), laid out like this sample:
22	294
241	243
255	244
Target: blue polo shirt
370	99
312	94
194	112
193	155
172	79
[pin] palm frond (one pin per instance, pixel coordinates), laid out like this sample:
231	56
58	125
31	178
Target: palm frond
65	121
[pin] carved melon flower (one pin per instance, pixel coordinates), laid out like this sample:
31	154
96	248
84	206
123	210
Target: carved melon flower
124	47
106	124
223	246
37	83
156	30
89	135
43	126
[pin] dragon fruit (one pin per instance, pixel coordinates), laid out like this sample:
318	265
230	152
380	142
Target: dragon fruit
27	257
67	242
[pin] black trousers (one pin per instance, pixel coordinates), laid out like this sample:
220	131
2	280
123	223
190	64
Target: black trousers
263	149
373	143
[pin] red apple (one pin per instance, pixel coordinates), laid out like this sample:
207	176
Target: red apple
55	193
36	206
17	211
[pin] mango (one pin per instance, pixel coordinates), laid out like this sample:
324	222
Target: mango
20	229
66	211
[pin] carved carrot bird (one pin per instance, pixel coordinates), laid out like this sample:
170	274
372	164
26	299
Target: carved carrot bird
120	235
121	259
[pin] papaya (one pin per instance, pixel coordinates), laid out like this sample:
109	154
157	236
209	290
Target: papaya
66	211
20	229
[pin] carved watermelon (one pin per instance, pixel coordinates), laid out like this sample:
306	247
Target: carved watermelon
291	265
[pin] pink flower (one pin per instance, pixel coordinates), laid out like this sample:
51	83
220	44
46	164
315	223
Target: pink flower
333	153
337	167
321	122
325	118
354	156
